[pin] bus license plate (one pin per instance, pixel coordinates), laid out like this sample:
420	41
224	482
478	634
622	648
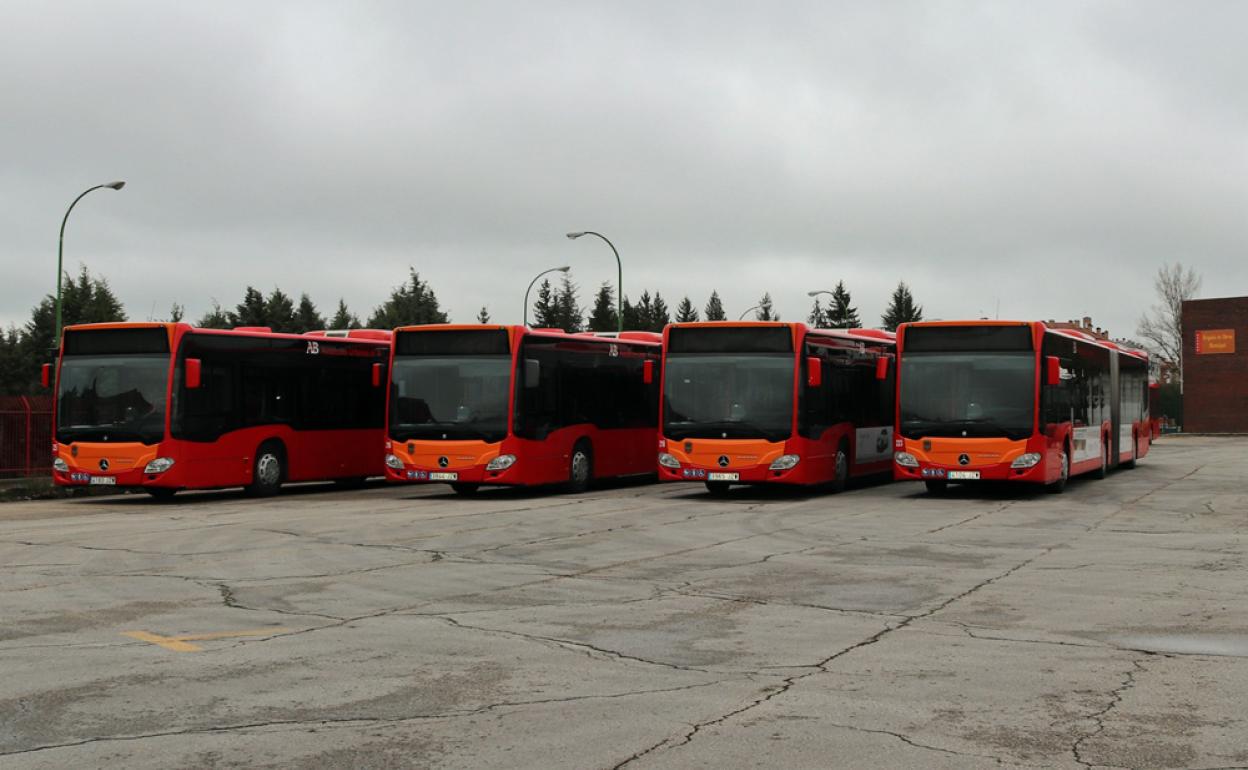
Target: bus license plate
103	481
963	475
723	477
443	476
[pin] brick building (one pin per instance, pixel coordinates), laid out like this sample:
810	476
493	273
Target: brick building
1215	365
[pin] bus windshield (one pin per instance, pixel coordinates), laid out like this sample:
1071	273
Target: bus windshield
450	397
967	393
729	396
112	398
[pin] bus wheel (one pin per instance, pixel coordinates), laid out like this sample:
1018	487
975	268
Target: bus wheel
841	475
268	471
162	494
464	489
1060	485
717	488
936	487
1103	471
581	468
1129	464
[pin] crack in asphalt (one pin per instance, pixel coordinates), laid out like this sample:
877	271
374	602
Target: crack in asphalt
1115	698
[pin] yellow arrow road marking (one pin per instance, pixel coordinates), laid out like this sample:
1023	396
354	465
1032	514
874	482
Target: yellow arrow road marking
182	643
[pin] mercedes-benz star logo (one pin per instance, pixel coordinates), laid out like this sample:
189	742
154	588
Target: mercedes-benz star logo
723	461
104	464
964	459
443	462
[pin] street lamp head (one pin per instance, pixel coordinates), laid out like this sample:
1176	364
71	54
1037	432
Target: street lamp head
116	185
817	292
574	236
564	269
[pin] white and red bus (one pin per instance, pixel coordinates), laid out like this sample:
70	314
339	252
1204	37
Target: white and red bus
753	402
1016	401
167	406
474	405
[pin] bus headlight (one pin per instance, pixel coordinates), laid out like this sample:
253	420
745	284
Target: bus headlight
667	461
906	460
60	465
501	463
162	464
784	462
392	461
1026	460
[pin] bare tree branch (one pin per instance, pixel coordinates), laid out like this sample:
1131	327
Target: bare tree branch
1162	326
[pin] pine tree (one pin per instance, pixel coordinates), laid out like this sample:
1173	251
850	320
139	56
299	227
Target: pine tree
685	311
307	318
644	312
632	316
715	308
765	311
660	316
567	309
902	309
604	317
545	308
483	316
14	368
85	300
279	312
411	303
817	318
215	318
251	311
344	318
840	314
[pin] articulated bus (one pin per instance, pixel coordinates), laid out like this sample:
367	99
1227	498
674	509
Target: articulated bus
509	405
167	406
775	403
1016	401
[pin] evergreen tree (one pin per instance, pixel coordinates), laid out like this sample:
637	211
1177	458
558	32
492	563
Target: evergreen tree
279	312
483	316
632	317
344	318
307	317
14	367
817	318
176	313
604	317
715	308
686	312
215	318
902	309
411	303
545	308
660	316
840	314
85	300
765	311
251	311
644	311
567	308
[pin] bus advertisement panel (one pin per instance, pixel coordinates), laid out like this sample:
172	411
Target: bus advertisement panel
1016	401
164	407
510	405
775	403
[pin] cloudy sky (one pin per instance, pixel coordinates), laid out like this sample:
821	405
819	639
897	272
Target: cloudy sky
1040	158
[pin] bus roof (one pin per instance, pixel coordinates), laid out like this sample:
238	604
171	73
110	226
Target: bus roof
855	335
644	338
1072	333
372	336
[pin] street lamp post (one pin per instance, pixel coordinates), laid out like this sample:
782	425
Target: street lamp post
747	312
563	269
60	252
619	289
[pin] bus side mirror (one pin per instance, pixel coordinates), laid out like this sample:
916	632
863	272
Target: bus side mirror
532	372
194	375
376	375
881	368
647	372
1052	370
45	375
814	371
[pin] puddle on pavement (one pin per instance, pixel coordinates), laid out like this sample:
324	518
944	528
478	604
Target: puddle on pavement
1232	645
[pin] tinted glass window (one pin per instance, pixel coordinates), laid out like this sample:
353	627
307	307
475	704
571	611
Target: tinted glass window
730	339
94	342
850	391
450	397
729	396
967	394
112	398
967	338
452	343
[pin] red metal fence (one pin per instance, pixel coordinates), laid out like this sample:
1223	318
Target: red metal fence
25	436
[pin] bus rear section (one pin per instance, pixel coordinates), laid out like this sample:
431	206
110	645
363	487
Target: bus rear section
775	403
1015	402
166	407
512	406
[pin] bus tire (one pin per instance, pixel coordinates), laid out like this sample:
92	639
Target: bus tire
1103	471
268	470
1129	464
840	472
161	494
717	488
1059	486
580	466
936	486
465	489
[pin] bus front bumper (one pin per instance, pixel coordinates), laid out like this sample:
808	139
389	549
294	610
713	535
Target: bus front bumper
758	474
957	474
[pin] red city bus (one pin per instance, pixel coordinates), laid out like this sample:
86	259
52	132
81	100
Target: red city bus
774	403
509	405
246	407
1016	401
